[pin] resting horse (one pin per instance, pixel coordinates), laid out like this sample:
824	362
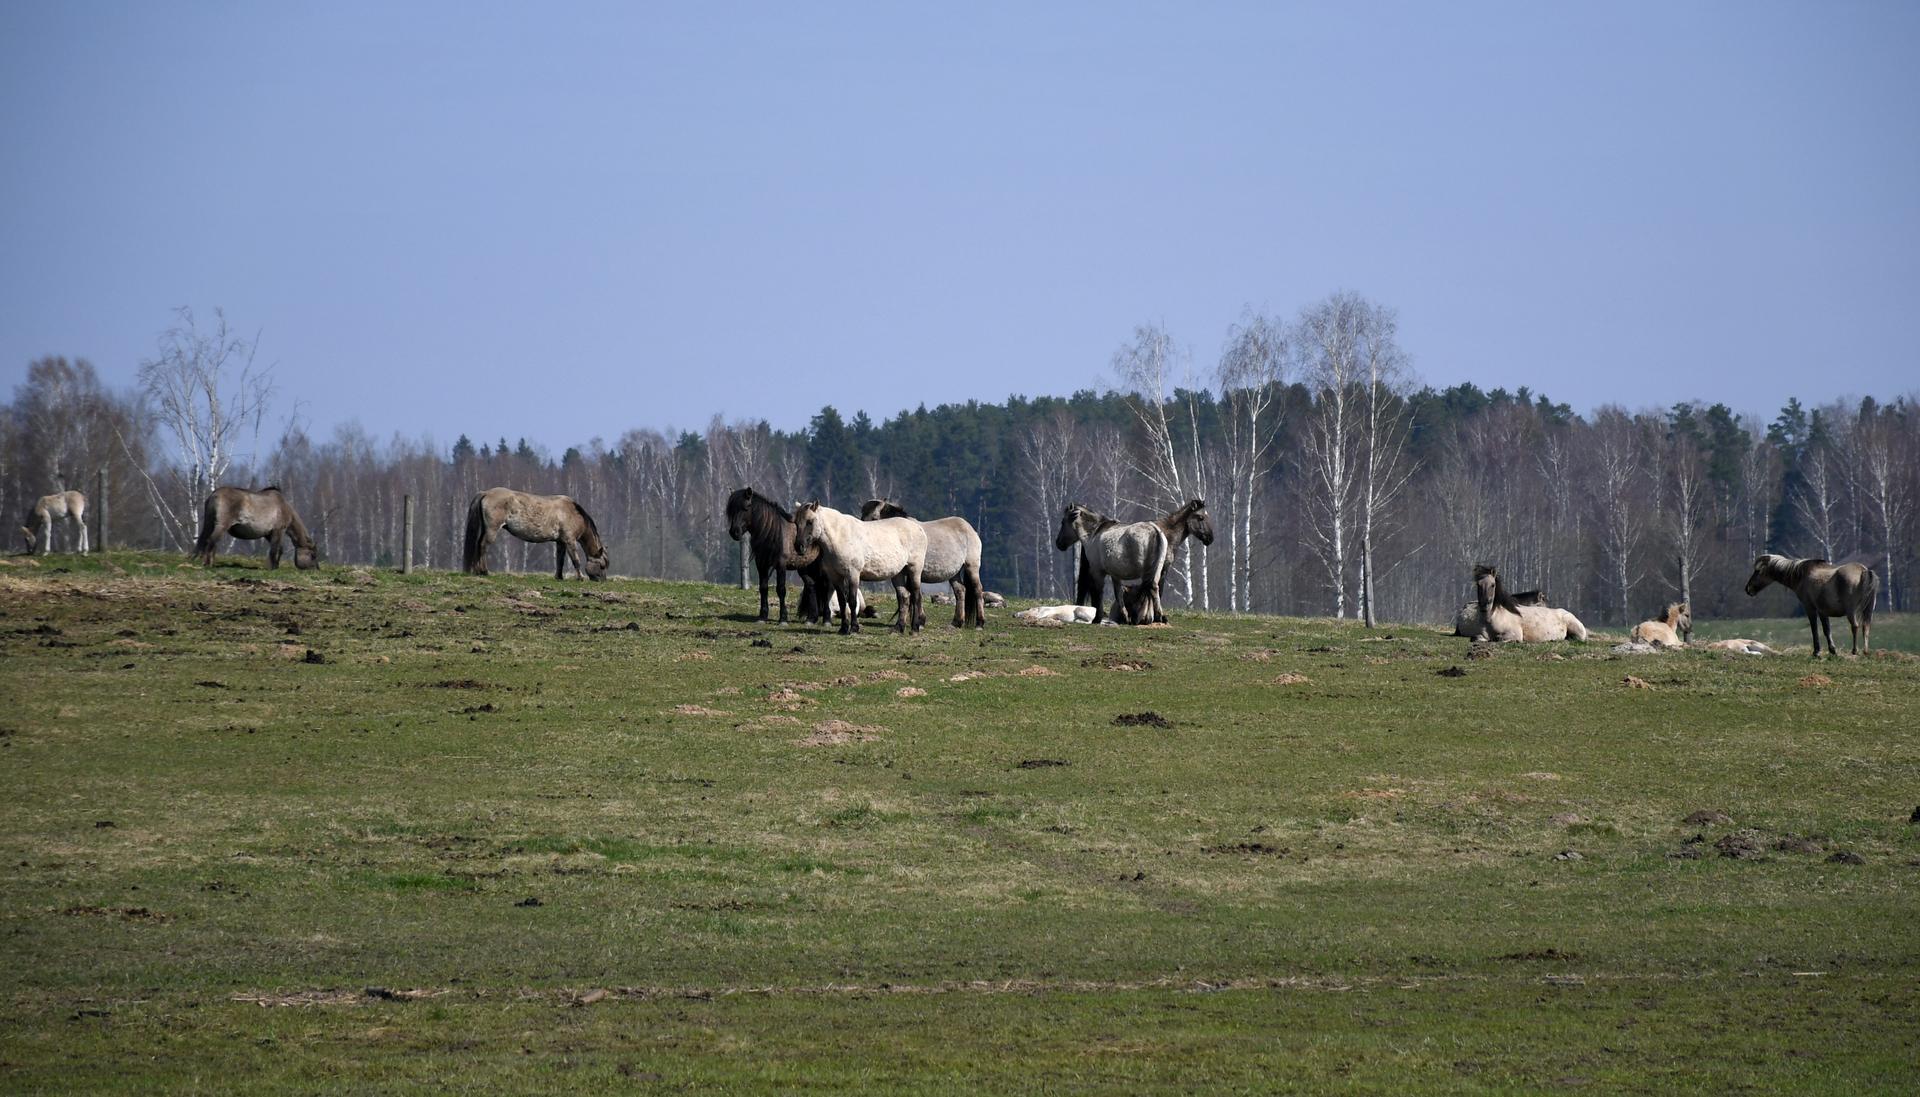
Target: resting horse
1133	551
953	557
1507	621
853	552
536	518
1825	591
48	509
1470	623
1670	630
250	515
770	527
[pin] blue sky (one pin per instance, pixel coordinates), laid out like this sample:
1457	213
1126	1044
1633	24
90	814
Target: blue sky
566	220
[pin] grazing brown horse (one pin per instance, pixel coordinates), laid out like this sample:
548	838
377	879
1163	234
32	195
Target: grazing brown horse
1826	591
250	515
48	509
953	557
770	528
536	518
1670	630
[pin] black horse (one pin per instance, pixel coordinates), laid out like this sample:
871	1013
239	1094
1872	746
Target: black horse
770	530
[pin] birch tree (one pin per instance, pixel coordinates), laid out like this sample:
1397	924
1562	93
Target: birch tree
209	396
1252	369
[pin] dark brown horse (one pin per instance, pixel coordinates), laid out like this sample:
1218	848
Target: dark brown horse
769	529
251	515
537	518
1825	591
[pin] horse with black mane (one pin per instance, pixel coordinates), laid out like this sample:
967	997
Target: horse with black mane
539	519
769	530
1825	591
250	515
953	557
1189	520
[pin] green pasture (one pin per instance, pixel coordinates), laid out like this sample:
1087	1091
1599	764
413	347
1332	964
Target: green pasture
285	832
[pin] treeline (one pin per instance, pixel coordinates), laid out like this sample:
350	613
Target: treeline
1334	484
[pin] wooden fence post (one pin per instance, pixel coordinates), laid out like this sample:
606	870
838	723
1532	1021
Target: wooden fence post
100	508
406	535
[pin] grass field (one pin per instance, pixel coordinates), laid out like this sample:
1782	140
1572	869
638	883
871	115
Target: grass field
279	832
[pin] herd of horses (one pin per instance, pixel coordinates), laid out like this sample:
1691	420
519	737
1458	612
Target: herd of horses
833	553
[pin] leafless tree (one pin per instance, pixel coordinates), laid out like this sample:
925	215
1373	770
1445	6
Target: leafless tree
1147	368
1889	465
209	396
1618	454
1252	368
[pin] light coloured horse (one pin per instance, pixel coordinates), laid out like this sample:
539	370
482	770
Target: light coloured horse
1670	630
1190	520
538	519
953	557
1471	623
250	515
1507	621
1066	615
1825	591
68	506
1741	647
852	552
1136	551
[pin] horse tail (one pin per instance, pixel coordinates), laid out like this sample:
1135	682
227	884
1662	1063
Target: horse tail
209	525
1873	594
1575	629
476	531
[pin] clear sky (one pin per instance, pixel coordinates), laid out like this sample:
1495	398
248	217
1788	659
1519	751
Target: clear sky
565	220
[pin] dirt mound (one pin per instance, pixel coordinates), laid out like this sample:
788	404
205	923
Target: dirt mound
1291	679
1632	682
1814	681
835	733
1142	719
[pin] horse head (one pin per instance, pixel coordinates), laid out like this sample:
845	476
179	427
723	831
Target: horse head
597	564
806	526
1070	530
306	557
1765	569
737	512
1197	522
27	532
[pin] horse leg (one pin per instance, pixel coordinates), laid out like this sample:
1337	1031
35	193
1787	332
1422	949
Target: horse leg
273	551
913	607
81	522
780	585
849	590
976	596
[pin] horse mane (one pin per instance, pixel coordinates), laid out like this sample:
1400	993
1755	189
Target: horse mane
274	488
888	509
585	517
753	496
1500	596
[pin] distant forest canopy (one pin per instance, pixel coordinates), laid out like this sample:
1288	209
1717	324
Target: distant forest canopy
1336	486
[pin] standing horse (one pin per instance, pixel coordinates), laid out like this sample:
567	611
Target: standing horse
1507	621
1179	524
953	557
853	552
535	518
1670	630
1134	551
770	527
250	515
1825	590
48	509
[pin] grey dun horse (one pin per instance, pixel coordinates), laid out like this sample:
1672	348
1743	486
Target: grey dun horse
535	518
953	557
1825	591
250	515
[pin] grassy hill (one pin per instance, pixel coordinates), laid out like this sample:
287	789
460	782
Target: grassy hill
279	831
